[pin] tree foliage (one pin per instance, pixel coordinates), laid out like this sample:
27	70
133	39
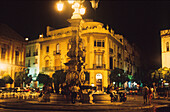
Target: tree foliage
161	73
7	79
2	83
59	77
43	78
21	77
118	75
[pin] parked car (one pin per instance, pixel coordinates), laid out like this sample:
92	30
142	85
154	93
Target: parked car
162	91
132	91
122	95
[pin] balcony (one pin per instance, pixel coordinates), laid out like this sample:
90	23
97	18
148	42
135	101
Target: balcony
35	53
47	69
52	69
103	66
58	67
28	54
57	52
28	65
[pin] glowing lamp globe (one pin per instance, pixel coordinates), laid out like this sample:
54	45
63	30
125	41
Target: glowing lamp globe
70	1
60	6
82	11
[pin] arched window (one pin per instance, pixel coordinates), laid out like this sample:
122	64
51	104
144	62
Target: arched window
68	46
167	46
57	48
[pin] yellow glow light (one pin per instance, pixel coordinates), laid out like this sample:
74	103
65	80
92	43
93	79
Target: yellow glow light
41	35
70	1
26	39
82	11
3	66
60	6
76	5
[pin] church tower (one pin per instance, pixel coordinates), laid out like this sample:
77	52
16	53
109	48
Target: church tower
165	47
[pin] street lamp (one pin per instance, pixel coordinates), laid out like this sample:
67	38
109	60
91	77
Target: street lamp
75	52
78	7
60	6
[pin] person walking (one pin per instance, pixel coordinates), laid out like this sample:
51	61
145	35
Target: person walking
150	95
145	94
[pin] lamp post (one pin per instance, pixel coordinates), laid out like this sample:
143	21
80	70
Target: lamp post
75	53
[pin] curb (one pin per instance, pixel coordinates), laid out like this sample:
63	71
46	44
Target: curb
70	107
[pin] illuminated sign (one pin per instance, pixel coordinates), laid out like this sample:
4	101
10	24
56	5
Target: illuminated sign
98	76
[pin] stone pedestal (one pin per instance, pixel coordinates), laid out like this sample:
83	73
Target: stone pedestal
56	98
85	98
101	98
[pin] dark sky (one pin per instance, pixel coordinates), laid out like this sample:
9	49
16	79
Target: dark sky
138	21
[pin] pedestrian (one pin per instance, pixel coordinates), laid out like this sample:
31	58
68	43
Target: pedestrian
109	91
154	92
46	92
150	95
145	94
74	92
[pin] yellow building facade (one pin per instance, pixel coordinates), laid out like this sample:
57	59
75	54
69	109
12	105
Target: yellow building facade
165	50
12	52
103	50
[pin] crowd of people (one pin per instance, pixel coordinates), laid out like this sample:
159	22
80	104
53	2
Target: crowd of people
71	90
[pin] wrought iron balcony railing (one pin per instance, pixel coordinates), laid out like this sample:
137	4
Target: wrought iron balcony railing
28	54
57	52
53	68
35	53
99	66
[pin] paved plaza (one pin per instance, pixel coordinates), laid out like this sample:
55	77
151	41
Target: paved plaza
133	103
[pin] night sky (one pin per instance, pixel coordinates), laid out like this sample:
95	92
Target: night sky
138	21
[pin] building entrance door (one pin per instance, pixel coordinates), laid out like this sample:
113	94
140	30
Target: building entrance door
99	81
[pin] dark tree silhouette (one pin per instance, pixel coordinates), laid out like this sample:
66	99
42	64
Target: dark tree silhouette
43	78
7	79
59	77
117	75
2	83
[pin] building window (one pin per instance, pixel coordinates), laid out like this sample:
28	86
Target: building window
36	52
3	53
99	43
95	43
36	61
28	63
47	63
68	46
47	49
99	60
114	63
16	57
57	48
28	54
167	46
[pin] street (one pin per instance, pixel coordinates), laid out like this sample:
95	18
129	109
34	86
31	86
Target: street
134	103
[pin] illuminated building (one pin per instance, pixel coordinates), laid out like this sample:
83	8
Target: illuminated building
32	60
103	51
165	50
12	52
